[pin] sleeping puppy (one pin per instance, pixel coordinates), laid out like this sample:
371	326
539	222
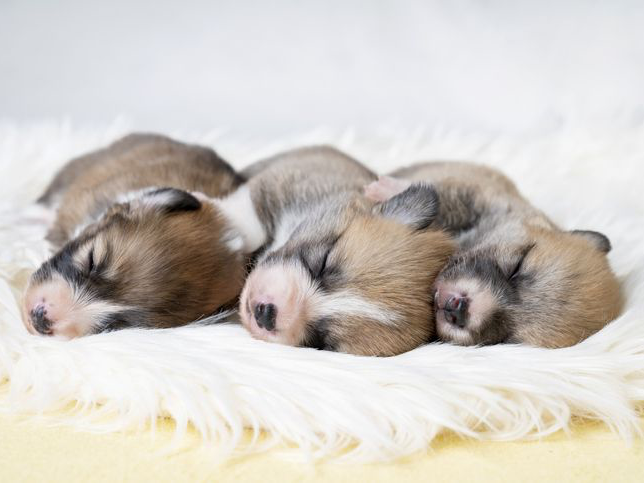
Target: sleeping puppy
516	277
338	272
139	243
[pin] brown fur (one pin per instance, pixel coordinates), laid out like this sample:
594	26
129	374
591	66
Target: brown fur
87	185
591	291
340	273
565	289
174	266
395	266
160	259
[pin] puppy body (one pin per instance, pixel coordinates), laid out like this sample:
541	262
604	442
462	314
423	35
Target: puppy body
337	272
139	243
83	190
516	277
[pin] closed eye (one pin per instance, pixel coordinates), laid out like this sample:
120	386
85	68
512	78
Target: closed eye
90	261
316	269
318	265
516	271
323	264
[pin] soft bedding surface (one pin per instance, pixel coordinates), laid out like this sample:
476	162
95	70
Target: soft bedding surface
29	451
220	382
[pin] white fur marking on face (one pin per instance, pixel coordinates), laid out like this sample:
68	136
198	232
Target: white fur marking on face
482	304
85	316
239	210
299	301
482	301
72	313
289	288
348	304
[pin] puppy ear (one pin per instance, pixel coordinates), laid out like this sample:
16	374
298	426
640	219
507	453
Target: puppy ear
385	187
599	240
171	200
417	206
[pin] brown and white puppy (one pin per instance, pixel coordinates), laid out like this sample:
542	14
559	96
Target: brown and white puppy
338	272
139	244
516	277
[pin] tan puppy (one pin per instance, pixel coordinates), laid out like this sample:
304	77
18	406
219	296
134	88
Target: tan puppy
337	272
139	243
516	276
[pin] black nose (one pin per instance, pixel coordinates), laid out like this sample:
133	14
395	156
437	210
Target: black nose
265	315
456	311
40	321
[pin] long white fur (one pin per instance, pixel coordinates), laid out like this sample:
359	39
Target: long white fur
220	380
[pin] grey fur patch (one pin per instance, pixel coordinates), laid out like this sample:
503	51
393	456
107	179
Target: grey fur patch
417	206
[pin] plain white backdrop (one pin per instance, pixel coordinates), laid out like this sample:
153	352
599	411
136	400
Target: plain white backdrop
264	69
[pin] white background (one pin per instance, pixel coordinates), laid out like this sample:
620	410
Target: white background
274	67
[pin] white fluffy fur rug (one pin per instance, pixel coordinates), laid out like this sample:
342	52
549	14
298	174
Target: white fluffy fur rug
221	381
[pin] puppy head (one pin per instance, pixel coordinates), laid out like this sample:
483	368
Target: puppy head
160	259
356	280
550	289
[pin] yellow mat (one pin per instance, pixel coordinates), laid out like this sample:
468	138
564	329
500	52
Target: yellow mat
34	451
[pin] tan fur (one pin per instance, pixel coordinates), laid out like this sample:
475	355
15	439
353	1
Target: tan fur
591	291
470	188
87	185
394	266
569	290
151	256
373	296
159	266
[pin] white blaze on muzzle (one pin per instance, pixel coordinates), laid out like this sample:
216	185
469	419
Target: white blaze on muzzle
56	308
298	301
481	305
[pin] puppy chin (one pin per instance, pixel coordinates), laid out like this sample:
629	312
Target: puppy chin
448	332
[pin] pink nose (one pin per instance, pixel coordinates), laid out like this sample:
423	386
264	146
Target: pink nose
455	303
443	298
39	320
455	307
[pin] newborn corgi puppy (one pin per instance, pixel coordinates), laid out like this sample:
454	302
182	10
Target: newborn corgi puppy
338	272
139	244
516	277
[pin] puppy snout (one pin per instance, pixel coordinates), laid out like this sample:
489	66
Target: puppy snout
39	320
456	310
265	315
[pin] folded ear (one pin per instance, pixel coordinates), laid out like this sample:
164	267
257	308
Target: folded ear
600	240
417	206
170	200
385	187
